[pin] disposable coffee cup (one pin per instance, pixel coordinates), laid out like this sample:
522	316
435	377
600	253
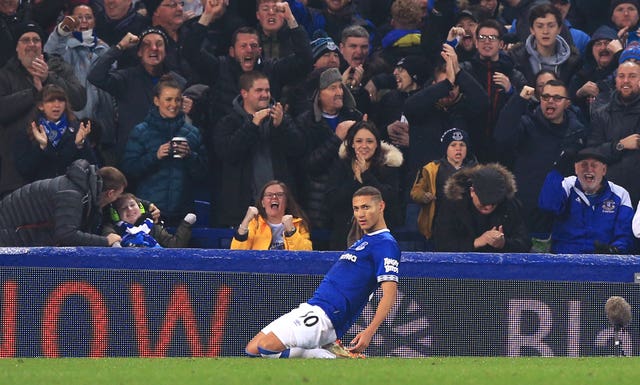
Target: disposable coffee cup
175	141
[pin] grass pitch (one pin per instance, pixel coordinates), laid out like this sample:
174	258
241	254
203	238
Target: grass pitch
371	371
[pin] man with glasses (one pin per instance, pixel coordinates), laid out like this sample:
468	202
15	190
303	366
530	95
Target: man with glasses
495	72
114	20
24	75
537	140
169	16
616	127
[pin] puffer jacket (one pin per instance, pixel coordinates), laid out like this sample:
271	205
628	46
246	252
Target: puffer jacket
167	182
342	184
459	223
54	212
259	237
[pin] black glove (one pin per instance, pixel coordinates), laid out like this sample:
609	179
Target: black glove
603	248
565	162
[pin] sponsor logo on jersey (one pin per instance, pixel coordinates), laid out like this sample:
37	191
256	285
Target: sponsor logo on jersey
609	206
349	257
390	265
362	246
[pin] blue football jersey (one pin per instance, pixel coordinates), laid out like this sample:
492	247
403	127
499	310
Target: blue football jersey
347	287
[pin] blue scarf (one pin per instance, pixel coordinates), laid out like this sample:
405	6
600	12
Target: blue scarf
54	130
137	236
86	38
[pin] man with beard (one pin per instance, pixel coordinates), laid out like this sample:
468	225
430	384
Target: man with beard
592	215
495	71
255	143
132	87
616	128
453	99
20	80
594	76
535	140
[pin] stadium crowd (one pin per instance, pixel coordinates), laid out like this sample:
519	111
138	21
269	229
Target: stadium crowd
505	124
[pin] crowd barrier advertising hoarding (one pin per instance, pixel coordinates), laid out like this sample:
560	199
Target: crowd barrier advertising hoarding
90	308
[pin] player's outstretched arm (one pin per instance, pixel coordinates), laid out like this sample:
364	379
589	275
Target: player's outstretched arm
362	340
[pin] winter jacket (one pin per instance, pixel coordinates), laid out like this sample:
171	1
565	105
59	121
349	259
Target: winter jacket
609	124
322	152
427	181
565	63
459	223
428	120
342	184
259	237
54	212
581	220
33	163
167	182
237	141
535	145
18	106
132	88
483	71
100	105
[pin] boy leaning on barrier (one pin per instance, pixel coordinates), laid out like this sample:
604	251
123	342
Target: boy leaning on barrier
138	228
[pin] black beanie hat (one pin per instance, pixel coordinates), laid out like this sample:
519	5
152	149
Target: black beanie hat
615	3
453	134
27	26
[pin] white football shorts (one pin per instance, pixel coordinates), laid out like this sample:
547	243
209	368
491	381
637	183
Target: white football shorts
306	327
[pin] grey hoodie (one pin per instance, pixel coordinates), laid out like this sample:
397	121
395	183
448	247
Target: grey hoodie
538	62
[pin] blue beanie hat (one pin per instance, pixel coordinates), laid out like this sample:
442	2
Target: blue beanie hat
632	51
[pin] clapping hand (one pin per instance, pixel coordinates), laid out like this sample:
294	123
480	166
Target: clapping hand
82	134
40	135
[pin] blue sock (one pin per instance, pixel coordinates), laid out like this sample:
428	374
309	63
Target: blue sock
270	354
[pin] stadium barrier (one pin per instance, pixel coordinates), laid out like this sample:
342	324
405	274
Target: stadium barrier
97	302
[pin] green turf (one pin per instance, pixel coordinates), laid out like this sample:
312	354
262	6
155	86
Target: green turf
371	371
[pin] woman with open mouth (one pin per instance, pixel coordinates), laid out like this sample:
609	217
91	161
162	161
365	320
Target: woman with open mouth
276	222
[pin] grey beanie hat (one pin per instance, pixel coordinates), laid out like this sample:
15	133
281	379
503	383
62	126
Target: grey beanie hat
328	77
